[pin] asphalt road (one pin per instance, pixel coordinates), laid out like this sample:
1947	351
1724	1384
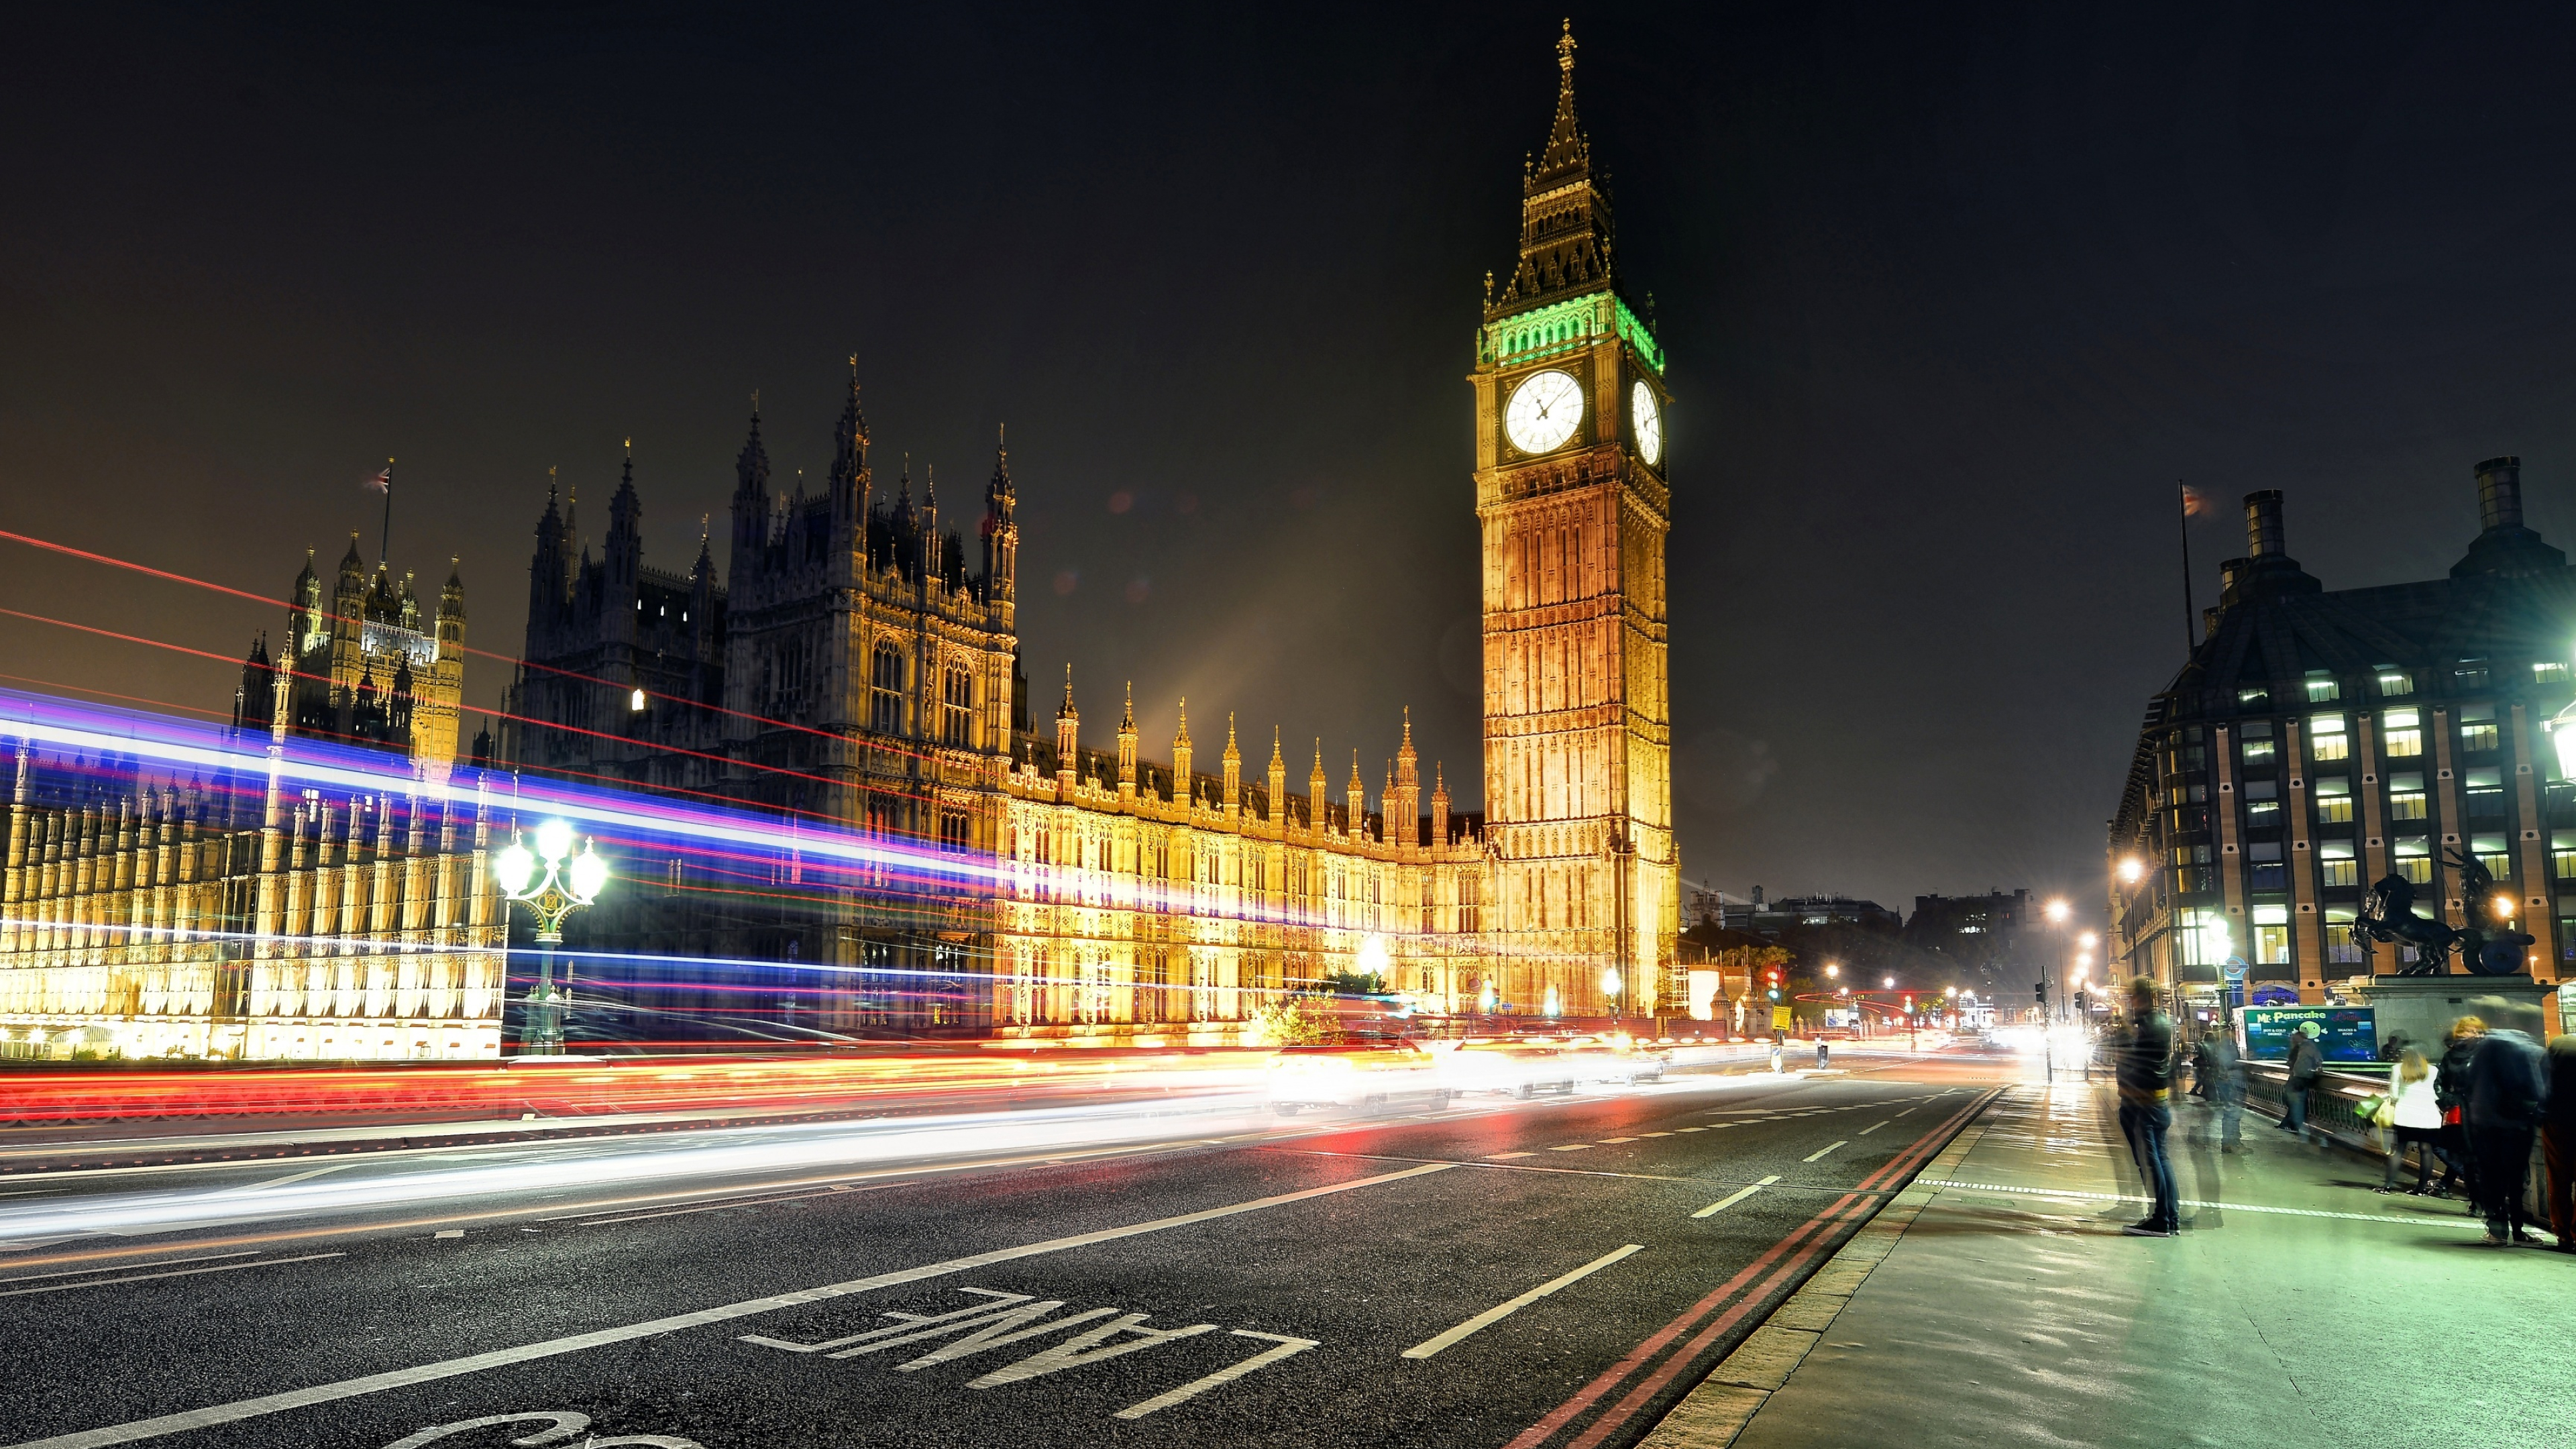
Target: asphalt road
1548	1273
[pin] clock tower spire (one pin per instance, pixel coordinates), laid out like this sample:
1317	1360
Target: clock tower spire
1573	504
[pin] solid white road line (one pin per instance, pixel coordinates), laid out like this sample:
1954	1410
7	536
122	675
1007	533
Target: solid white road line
1501	1311
182	1273
1732	1198
1812	1156
265	1404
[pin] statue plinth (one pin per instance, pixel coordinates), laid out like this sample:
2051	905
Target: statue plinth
2422	1008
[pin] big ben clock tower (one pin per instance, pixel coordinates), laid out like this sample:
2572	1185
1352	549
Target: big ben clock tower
1573	504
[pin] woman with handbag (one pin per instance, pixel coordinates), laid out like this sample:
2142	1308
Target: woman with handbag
2411	1116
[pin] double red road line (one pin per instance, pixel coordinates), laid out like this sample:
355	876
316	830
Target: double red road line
1781	1264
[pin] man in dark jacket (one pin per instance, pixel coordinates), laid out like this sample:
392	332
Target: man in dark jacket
2451	1092
2507	1081
2221	1071
2558	1140
2306	1064
2145	1072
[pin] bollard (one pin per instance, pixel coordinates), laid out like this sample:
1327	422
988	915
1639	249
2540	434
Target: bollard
1775	1060
1823	1050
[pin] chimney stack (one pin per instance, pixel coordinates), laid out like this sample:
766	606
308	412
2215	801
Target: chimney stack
2500	493
2263	524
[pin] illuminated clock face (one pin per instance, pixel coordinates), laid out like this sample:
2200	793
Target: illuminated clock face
1544	411
1646	423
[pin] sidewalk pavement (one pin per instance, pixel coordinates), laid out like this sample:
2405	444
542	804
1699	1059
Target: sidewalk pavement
1994	1303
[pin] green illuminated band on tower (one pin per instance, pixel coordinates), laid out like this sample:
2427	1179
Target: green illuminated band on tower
1563	327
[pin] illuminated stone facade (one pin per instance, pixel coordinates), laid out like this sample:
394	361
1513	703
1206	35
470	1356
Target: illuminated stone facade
195	918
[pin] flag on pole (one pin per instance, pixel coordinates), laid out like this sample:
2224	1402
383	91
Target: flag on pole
381	480
2193	503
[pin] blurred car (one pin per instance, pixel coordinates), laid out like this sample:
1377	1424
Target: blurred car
1615	1059
1515	1066
1369	1074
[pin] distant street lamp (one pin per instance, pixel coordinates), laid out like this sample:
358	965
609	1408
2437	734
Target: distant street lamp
571	882
2131	869
1610	984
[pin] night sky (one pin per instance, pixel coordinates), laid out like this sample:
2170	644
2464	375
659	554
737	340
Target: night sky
1952	299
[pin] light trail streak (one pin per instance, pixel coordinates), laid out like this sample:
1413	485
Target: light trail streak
1218	1104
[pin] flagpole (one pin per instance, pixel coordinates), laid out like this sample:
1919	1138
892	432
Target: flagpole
385	545
2182	518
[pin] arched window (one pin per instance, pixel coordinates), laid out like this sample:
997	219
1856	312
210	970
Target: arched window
957	709
885	699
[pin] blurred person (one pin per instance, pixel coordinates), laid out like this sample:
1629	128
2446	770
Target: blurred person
2144	1070
2218	1071
2414	1120
2558	1140
2451	1093
2307	1062
2507	1081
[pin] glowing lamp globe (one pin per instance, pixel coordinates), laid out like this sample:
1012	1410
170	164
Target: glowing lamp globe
1610	981
514	868
554	841
589	873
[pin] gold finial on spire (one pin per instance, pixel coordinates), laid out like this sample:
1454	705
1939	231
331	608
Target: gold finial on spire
1565	51
1183	737
1129	721
755	402
1229	732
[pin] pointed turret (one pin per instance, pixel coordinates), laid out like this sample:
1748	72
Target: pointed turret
1404	792
1184	787
1357	795
1233	769
750	495
1068	736
1566	233
1001	534
625	550
1439	809
1318	804
1127	746
850	484
1278	801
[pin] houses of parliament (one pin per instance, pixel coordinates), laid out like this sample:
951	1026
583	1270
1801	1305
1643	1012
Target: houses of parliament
858	667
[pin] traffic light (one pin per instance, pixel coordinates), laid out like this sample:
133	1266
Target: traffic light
1774	977
2040	991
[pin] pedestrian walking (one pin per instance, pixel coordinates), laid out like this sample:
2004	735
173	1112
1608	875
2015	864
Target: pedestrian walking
2558	1140
2144	1070
2307	1063
2414	1120
2220	1072
2506	1085
2451	1093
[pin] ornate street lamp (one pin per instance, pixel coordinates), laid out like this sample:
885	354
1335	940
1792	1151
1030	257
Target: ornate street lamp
571	882
1610	984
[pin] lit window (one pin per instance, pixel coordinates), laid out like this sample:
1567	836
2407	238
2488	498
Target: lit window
2322	688
2393	682
2562	854
2255	698
2414	860
2477	727
2341	947
2334	800
2327	739
2403	737
2335	864
2258	752
2492	853
2260	813
2471	674
635	702
2271	934
2549	671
